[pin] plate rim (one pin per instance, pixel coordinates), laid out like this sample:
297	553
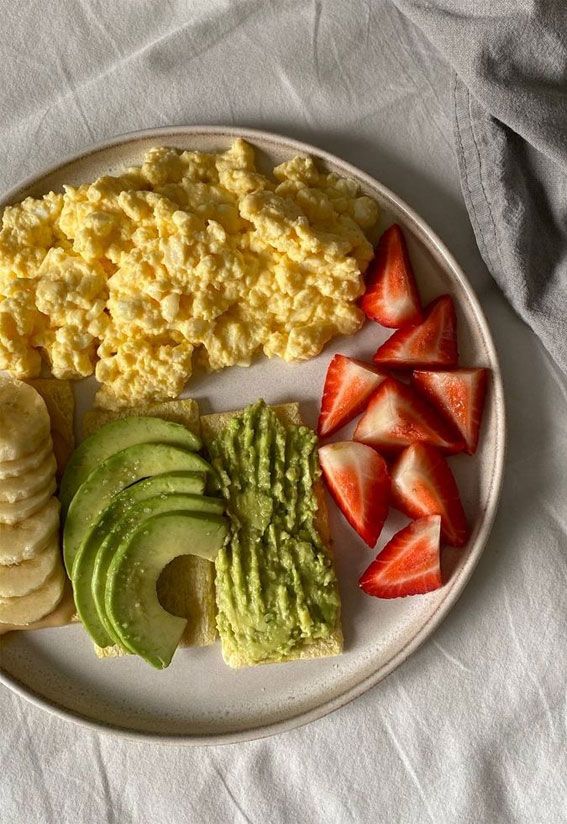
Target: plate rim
421	228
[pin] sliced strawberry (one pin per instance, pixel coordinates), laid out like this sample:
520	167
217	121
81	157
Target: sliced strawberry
397	417
459	395
348	385
433	342
423	484
358	480
391	295
409	563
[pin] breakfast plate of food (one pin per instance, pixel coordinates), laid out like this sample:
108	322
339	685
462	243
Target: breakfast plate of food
252	434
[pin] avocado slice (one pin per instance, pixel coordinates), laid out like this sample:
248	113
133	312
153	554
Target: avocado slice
121	530
83	566
116	436
111	477
132	605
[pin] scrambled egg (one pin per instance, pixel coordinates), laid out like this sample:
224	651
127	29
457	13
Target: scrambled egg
191	258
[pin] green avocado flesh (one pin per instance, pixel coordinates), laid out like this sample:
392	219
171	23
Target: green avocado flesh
132	605
122	529
112	476
116	436
276	588
84	565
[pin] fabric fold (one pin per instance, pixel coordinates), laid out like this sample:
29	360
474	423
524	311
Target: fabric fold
510	121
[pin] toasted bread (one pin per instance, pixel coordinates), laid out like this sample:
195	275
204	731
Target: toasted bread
288	414
60	402
186	586
184	411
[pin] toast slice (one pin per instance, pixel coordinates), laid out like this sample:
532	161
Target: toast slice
288	414
183	410
187	585
60	402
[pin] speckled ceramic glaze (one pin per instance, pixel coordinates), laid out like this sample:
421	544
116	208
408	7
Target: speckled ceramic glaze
199	699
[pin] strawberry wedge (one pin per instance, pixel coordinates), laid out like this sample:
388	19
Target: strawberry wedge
397	417
358	480
423	484
348	385
459	395
391	296
431	343
409	564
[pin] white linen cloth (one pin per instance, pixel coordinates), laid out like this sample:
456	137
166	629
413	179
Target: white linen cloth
472	727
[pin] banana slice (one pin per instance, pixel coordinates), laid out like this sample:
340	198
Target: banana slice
8	469
25	609
26	485
21	579
27	539
14	513
24	420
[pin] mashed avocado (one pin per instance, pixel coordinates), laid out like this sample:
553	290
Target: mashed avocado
276	588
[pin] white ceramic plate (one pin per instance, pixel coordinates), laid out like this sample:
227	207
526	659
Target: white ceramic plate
199	699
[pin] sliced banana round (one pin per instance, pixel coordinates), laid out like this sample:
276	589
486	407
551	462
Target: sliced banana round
14	513
26	485
24	419
9	469
21	579
25	540
25	609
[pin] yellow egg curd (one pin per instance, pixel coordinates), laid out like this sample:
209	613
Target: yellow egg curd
189	258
